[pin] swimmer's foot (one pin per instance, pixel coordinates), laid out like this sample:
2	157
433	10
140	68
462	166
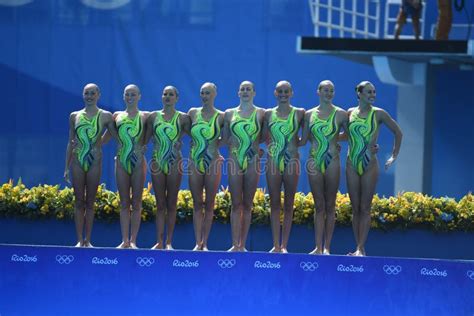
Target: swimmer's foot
157	246
275	250
124	245
233	249
316	251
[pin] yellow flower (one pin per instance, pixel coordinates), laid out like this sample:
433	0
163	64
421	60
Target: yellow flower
115	203
44	209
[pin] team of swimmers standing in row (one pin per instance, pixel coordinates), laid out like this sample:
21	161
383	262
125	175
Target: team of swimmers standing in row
242	129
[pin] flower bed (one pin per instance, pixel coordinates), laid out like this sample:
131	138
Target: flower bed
406	210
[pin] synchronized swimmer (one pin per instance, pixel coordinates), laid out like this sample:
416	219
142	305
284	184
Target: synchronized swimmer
242	129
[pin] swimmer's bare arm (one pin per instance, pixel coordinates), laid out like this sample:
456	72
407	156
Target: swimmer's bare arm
305	129
226	129
385	118
261	112
261	121
265	135
185	126
146	115
149	127
300	113
70	146
191	114
112	131
186	121
344	120
221	141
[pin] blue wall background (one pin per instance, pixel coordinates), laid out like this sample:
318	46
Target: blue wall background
51	49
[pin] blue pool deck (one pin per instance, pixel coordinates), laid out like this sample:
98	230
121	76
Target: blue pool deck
55	280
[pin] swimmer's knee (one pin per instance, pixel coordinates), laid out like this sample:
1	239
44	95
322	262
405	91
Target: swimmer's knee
365	208
237	205
80	203
247	206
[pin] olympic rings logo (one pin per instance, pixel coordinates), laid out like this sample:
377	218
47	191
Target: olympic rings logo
392	269
64	259
226	263
309	266
145	261
470	274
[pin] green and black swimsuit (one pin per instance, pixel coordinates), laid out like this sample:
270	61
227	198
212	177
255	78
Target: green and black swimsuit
129	133
246	131
166	135
204	140
323	131
88	132
282	132
361	133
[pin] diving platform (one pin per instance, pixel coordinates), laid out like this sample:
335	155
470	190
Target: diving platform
452	53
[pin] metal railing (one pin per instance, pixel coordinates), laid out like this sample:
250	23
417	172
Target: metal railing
357	18
458	31
346	17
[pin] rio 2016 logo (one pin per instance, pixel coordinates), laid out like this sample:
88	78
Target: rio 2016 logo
105	261
185	263
24	258
351	268
434	272
267	265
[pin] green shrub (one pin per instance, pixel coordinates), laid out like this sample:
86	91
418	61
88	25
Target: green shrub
406	210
